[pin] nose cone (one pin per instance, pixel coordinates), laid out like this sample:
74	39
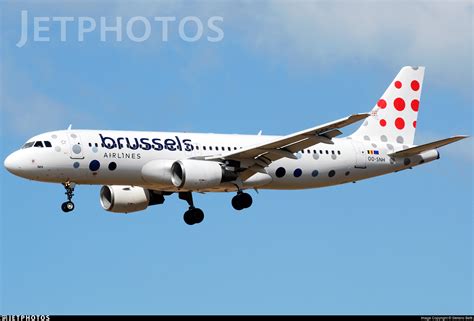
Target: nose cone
9	162
13	163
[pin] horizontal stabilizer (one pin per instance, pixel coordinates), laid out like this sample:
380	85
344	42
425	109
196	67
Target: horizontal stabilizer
422	148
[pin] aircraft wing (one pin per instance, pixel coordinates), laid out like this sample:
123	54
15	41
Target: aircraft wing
286	146
422	148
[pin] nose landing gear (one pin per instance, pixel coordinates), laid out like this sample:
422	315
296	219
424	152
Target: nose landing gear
68	206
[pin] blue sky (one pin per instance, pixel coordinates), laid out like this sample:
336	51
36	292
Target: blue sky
397	244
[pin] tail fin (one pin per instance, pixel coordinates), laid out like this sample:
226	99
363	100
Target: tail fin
393	119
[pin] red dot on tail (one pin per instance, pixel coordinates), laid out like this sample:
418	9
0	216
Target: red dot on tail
399	104
399	123
415	85
414	124
383	122
398	84
382	103
415	103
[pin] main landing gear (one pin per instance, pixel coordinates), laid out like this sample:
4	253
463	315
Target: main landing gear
241	200
69	205
193	215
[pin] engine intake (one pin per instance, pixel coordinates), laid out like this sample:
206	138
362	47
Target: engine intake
199	174
127	199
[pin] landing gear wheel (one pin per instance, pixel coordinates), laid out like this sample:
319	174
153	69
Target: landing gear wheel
67	206
237	203
241	201
188	217
198	215
246	200
193	216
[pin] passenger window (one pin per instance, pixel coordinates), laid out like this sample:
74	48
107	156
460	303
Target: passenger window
197	147
223	148
321	152
235	148
204	147
210	147
47	144
339	152
38	144
332	152
228	148
309	151
96	145
90	144
327	152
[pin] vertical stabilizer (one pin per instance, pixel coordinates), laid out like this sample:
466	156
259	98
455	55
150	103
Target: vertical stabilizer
393	119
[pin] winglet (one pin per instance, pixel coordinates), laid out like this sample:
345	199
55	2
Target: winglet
70	126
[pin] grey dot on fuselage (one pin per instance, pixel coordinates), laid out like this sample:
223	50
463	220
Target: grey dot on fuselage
366	137
389	146
400	139
95	149
76	149
374	145
333	156
57	148
316	156
383	138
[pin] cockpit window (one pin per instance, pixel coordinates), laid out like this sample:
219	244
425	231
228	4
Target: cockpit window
38	144
47	144
28	145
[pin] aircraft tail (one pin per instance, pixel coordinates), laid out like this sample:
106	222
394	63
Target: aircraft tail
393	119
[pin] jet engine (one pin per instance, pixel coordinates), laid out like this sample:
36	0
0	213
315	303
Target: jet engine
199	174
127	199
158	172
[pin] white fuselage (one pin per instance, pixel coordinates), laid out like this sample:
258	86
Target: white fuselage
117	158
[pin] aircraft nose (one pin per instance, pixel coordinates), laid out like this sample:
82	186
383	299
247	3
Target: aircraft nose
12	163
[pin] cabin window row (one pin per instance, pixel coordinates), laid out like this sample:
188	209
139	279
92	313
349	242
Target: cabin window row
327	152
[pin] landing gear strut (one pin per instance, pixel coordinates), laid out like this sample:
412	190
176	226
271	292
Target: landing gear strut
69	205
193	215
241	200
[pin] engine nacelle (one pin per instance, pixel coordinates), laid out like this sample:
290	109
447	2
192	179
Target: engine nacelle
158	172
127	199
199	174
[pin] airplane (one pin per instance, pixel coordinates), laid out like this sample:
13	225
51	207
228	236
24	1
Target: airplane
138	169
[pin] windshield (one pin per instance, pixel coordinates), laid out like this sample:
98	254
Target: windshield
28	145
